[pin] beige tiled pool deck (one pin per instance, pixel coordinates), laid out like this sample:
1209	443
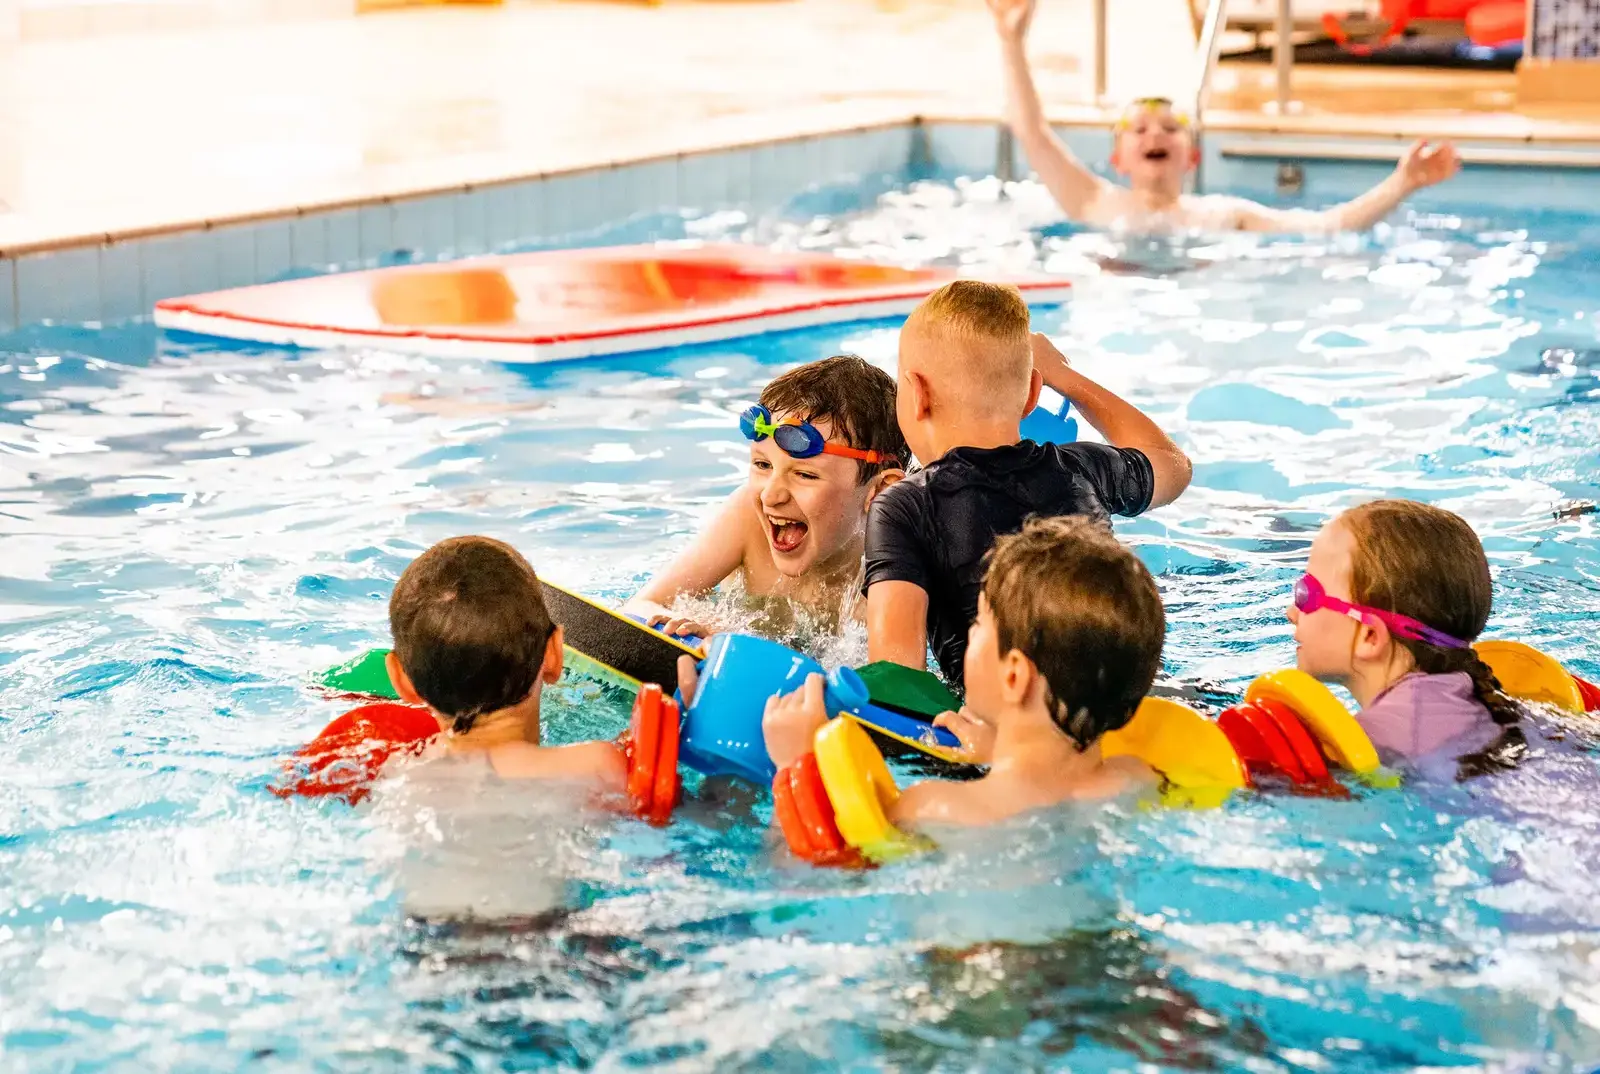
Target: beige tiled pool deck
144	131
136	133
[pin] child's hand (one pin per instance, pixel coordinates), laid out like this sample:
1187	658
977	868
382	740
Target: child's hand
1046	355
976	736
679	626
1423	166
792	720
688	679
1011	17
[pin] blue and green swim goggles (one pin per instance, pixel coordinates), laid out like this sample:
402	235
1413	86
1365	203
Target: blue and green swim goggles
801	439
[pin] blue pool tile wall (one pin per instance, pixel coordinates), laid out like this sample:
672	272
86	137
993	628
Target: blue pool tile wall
977	149
115	281
8	294
61	284
1230	162
643	201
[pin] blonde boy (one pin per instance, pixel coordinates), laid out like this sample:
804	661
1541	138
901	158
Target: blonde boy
969	370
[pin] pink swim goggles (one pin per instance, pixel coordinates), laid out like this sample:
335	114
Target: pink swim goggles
1309	596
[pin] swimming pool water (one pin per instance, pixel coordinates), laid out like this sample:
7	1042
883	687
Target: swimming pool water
189	530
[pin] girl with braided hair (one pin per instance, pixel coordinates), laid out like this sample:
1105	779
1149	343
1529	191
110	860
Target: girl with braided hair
1393	596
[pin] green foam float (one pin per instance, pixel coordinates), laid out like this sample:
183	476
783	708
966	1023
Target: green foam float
893	686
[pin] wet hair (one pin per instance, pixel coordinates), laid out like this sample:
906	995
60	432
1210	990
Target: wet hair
853	396
470	627
1425	562
1070	597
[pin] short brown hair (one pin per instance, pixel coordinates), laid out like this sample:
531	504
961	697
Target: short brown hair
1078	603
470	627
852	395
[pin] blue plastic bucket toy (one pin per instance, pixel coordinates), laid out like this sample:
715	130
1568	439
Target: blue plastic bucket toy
1048	423
722	728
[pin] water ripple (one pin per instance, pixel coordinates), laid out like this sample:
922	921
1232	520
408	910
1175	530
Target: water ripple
192	529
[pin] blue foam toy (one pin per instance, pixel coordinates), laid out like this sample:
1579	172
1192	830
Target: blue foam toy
908	729
1049	424
722	728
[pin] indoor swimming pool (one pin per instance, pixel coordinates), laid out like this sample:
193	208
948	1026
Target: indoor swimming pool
191	529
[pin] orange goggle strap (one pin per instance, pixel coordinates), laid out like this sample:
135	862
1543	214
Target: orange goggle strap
862	454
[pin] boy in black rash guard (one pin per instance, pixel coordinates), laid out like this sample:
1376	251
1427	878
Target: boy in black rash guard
969	370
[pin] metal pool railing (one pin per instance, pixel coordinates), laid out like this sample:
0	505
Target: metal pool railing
1207	48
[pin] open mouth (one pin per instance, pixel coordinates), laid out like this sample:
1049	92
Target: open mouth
1155	154
785	533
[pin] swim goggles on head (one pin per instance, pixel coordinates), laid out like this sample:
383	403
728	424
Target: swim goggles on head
800	439
1309	596
1150	104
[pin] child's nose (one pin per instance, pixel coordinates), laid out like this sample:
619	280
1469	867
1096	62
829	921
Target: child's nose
1294	614
775	491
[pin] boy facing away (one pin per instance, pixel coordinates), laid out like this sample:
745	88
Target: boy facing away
474	648
969	370
1065	645
474	643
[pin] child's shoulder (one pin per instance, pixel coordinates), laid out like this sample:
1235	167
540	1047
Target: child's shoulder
941	801
599	762
1123	775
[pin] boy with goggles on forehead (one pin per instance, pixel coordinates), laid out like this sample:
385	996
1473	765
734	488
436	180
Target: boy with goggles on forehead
1154	147
823	443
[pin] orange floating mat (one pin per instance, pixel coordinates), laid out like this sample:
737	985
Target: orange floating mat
561	304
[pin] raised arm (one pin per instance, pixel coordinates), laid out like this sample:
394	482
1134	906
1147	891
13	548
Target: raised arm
714	554
1072	184
1422	166
1119	421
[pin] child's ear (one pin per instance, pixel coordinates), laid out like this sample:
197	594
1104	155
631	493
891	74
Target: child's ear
1035	386
921	395
554	654
1016	678
1373	643
880	482
1116	161
401	681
